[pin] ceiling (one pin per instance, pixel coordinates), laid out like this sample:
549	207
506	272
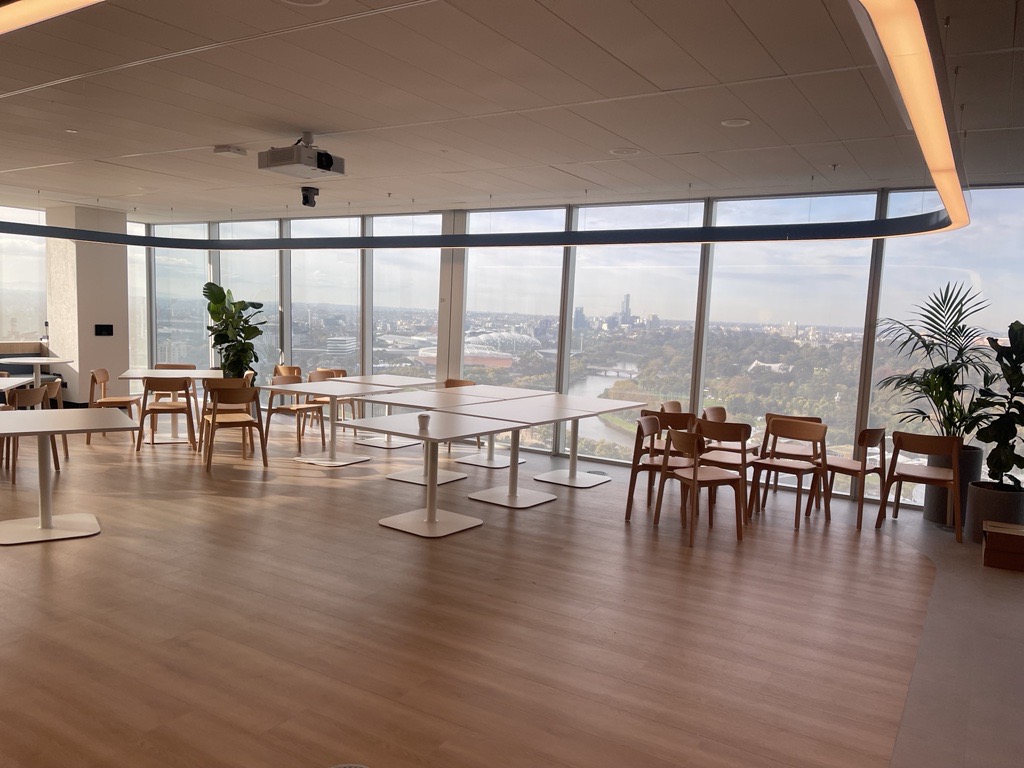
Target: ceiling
438	104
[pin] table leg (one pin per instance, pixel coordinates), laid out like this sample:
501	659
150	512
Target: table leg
334	459
570	477
512	496
387	441
422	476
47	526
431	522
487	459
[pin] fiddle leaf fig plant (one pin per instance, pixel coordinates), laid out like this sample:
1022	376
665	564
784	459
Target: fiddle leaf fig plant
234	327
1005	410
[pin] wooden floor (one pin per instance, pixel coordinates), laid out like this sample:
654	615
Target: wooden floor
251	617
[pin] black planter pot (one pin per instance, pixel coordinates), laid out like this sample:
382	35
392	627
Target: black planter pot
970	472
991	501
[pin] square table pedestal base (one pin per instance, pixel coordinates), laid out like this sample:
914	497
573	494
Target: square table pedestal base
416	523
27	530
416	476
383	442
521	500
582	480
481	460
339	460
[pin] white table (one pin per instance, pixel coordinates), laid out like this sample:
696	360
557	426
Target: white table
43	424
427	400
334	389
488	458
430	521
526	412
13	382
37	364
390	380
588	406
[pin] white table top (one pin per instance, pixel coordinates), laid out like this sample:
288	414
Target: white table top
591	405
442	427
36	360
528	411
427	399
329	388
389	380
172	373
495	392
65	421
12	382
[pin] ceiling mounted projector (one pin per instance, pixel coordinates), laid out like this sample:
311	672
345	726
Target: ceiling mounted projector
301	160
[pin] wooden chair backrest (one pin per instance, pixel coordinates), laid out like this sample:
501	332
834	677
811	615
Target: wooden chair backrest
5	374
459	383
724	431
689	445
672	406
646	426
286	379
684	422
53	389
320	374
234	395
335	372
287	370
26	398
928	445
160	384
715	413
98	379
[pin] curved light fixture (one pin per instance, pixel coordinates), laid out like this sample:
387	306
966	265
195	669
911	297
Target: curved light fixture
25	13
901	33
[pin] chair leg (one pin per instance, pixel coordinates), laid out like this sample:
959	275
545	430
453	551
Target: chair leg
629	495
56	458
896	501
861	483
953	494
799	494
657	506
819	482
739	511
694	491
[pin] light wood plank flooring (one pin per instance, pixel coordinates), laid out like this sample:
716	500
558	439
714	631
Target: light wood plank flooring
251	617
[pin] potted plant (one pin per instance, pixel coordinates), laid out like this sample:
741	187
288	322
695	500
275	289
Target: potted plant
1002	497
234	327
942	387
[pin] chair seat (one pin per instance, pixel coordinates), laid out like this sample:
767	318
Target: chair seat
673	461
921	473
845	465
297	407
793	450
169	406
732	458
707	475
118	401
792	466
230	418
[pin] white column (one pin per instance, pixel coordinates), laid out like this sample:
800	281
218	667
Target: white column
86	286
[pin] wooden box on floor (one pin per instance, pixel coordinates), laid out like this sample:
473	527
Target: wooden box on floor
1003	545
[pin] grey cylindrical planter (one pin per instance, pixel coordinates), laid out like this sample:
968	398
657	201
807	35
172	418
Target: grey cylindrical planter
970	471
991	501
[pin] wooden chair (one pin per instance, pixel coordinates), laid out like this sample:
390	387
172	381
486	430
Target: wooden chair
672	406
690	446
806	438
943	477
291	405
715	413
326	374
288	370
21	399
461	383
796	450
172	366
234	407
667	420
182	405
732	433
215	384
647	458
859	468
55	399
98	398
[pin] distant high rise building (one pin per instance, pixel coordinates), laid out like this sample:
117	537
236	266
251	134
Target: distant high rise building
579	319
625	314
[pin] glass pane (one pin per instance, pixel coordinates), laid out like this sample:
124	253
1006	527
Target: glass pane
253	276
632	324
325	298
181	319
984	256
22	279
138	303
405	290
786	327
795	210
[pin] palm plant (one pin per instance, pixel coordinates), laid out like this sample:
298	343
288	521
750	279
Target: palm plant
234	327
942	388
1005	410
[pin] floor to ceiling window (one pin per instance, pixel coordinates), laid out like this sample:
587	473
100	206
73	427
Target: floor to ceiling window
632	320
786	319
138	302
512	301
253	276
22	279
181	319
405	291
325	298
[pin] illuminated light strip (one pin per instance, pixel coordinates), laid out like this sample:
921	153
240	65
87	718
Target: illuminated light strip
25	13
901	33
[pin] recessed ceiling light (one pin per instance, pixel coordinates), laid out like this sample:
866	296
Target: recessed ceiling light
736	122
70	130
305	3
624	151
